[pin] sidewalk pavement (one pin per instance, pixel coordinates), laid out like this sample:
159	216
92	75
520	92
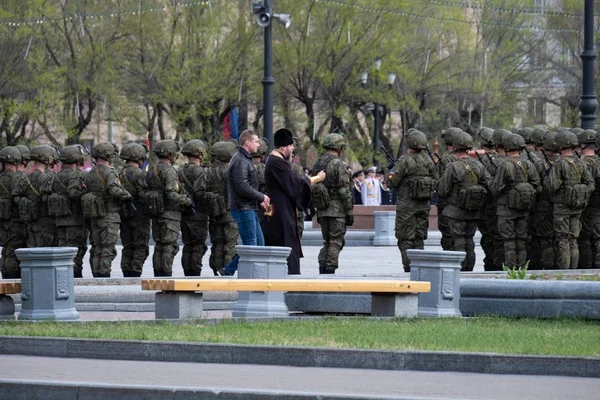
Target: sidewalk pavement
277	381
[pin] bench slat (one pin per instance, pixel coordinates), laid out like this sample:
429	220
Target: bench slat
10	287
287	285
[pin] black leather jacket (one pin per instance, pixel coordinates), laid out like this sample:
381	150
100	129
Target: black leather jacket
242	183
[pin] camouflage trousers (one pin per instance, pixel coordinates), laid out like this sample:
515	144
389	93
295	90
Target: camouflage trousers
543	240
333	230
165	233
41	233
411	232
566	234
135	234
4	231
194	234
444	227
17	238
513	230
495	239
589	239
463	231
300	222
74	236
224	238
104	233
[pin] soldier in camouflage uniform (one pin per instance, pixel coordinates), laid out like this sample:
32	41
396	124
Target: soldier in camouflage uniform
589	238
10	178
221	226
257	158
413	177
334	205
194	227
65	204
163	182
490	162
449	157
32	196
297	168
516	186
102	205
543	216
533	248
571	184
464	186
135	226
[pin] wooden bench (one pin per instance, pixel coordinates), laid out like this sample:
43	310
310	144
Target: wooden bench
7	304
182	298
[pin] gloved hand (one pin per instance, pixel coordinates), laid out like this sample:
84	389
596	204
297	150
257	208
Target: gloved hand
349	220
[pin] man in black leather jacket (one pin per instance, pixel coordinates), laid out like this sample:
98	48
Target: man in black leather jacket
244	197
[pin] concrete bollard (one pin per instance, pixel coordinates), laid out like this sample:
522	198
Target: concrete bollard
442	269
385	228
261	262
47	290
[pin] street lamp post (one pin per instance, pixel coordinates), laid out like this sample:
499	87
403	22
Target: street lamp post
588	103
262	10
378	109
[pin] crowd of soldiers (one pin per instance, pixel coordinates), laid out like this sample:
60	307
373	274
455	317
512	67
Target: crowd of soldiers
47	200
533	194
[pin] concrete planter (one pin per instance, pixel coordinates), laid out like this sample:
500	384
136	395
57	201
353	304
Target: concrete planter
526	298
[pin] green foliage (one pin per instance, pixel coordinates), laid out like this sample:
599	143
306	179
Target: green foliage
515	272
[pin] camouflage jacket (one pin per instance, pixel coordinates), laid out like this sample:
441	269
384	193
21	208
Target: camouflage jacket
163	178
9	180
409	167
216	186
105	181
36	187
189	174
134	181
445	161
506	178
567	171
69	182
460	174
593	164
338	184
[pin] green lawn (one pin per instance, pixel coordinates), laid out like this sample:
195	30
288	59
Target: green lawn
497	335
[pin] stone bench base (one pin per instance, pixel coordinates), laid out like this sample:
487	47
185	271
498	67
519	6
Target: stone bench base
7	308
376	304
178	305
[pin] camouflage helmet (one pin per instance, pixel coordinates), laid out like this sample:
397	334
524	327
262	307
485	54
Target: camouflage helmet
576	130
223	151
261	150
135	152
462	141
166	149
537	136
550	142
448	135
73	154
598	141
43	153
416	140
587	136
526	133
11	155
106	151
335	141
194	148
498	137
597	128
566	140
513	142
25	153
485	135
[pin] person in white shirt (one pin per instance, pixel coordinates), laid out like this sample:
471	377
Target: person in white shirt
370	189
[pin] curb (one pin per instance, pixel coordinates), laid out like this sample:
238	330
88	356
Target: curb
433	361
72	391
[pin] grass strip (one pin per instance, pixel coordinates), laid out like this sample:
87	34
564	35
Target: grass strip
564	337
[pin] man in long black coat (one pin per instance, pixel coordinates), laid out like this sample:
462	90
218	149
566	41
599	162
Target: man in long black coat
287	192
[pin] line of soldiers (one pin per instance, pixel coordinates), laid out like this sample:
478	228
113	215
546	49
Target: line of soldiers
66	208
534	195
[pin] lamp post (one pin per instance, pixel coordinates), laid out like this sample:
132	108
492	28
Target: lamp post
262	11
378	109
588	103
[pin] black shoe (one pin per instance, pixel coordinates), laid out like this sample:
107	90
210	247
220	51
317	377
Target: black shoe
222	272
106	275
131	274
77	274
326	271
